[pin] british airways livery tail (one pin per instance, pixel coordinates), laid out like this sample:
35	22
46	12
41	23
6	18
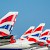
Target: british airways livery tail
7	22
34	37
44	37
27	33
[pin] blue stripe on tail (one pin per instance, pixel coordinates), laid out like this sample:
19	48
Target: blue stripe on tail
8	27
44	38
35	35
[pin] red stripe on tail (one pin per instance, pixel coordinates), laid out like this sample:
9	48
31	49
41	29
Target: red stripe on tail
28	32
32	39
9	18
48	41
3	34
38	29
45	33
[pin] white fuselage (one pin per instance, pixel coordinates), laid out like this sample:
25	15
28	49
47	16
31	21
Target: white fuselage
18	45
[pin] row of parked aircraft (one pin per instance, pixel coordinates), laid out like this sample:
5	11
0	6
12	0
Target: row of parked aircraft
33	37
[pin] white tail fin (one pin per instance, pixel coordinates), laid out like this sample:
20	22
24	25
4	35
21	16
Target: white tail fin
7	22
28	32
45	36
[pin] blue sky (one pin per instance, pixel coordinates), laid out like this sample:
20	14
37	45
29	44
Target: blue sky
31	13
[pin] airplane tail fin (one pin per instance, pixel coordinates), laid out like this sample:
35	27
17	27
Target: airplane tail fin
28	32
7	22
44	35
